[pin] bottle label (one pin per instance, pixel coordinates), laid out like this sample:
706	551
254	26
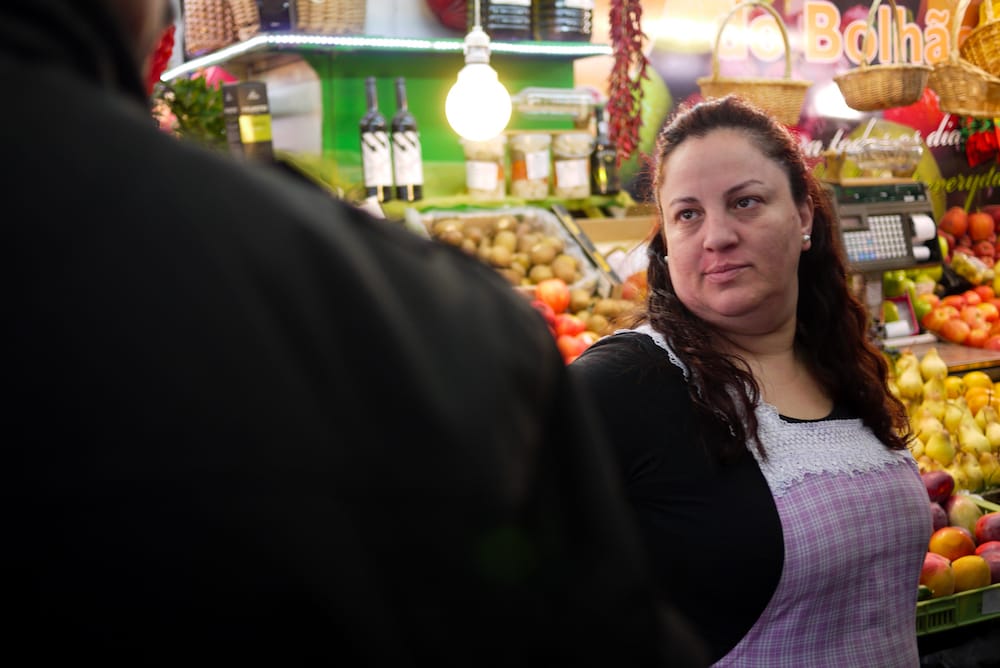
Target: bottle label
580	4
482	175
516	3
572	173
536	164
406	155
376	159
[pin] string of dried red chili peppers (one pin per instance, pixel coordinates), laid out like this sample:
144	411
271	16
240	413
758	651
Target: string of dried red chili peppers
624	108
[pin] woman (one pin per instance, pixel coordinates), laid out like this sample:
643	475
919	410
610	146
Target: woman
762	451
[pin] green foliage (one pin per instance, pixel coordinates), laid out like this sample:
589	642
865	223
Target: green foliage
198	109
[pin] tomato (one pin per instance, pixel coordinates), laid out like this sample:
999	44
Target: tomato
980	225
955	330
955	221
554	292
986	292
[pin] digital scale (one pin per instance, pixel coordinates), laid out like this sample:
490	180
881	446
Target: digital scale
885	224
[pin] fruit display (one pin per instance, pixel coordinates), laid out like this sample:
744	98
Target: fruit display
971	318
530	248
955	419
526	245
963	553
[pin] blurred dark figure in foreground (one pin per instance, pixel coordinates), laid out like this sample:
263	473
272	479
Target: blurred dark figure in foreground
252	424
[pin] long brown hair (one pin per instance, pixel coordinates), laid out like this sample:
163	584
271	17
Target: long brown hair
832	324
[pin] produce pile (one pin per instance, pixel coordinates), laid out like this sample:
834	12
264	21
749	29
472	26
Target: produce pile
956	425
965	308
528	247
955	419
963	552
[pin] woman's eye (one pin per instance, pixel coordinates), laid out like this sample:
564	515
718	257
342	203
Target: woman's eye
686	215
745	202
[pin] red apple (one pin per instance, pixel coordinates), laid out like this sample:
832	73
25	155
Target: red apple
547	313
987	527
988	546
939	485
939	518
977	337
937	574
993	561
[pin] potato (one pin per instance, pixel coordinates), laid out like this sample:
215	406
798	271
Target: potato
579	299
539	273
543	253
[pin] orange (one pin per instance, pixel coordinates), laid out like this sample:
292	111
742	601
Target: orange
976	397
952	542
977	379
971	572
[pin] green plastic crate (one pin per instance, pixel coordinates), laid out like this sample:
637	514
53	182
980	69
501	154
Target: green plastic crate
967	607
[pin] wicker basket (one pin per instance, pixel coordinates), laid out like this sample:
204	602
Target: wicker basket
782	98
330	17
210	25
884	86
982	46
962	88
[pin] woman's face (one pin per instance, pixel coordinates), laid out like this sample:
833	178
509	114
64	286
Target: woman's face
733	233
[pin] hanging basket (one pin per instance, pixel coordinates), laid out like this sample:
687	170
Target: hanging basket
887	85
982	46
963	88
782	98
330	17
210	25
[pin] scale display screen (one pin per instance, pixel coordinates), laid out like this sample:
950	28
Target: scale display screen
884	239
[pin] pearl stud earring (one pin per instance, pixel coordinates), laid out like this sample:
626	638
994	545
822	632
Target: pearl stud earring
806	238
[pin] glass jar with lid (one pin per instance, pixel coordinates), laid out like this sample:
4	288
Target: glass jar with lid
484	172
530	164
571	164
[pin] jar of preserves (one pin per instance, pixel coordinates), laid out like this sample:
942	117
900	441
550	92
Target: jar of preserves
484	172
571	164
530	164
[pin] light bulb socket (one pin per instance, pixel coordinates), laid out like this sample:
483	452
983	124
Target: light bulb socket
477	46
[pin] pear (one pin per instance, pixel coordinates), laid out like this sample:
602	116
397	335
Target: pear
927	426
971	439
993	435
939	448
910	383
916	447
934	389
932	366
986	414
893	388
958	473
973	472
932	407
953	412
925	464
990	466
907	358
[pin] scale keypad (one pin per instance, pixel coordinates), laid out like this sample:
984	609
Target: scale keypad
883	240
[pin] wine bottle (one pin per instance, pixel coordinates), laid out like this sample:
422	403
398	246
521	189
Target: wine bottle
407	159
376	156
604	179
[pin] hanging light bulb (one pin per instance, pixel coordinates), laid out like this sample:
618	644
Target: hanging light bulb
478	106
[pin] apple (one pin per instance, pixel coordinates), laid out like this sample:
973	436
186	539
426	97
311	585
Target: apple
988	546
963	512
937	574
955	221
939	485
990	311
992	342
546	311
977	337
939	315
939	518
992	559
987	527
